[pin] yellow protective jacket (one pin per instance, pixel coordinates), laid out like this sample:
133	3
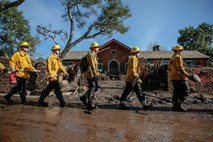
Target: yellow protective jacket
1	67
21	62
176	68
54	66
93	65
133	68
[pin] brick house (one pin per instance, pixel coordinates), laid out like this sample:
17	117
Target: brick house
113	57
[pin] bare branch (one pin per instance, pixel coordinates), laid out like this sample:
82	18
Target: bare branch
10	5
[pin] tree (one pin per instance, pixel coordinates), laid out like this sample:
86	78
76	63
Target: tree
95	17
14	28
5	4
199	38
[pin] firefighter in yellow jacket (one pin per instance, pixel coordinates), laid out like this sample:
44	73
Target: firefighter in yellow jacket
20	64
92	75
54	66
179	78
133	81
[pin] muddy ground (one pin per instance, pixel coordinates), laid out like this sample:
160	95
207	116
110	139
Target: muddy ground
30	123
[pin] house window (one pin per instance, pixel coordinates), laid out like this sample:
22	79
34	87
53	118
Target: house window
66	63
150	62
113	52
164	62
189	63
100	67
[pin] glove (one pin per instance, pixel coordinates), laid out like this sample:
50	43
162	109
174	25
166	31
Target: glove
13	69
134	81
35	70
96	78
21	70
65	74
52	75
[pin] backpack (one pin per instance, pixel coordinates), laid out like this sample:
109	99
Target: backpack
84	64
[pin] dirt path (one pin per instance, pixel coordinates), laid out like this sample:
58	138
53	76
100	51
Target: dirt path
30	123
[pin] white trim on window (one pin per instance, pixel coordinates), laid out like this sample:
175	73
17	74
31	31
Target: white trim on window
189	63
113	52
100	67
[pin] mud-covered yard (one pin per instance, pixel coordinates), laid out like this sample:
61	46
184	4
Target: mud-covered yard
20	123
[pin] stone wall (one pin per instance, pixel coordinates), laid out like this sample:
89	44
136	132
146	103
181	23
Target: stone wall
206	84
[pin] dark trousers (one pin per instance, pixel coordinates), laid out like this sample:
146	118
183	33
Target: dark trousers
20	87
180	90
128	89
93	87
57	90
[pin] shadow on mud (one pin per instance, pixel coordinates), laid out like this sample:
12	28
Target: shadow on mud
191	108
137	109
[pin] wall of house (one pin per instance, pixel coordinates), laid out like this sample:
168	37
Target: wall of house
121	55
197	62
200	62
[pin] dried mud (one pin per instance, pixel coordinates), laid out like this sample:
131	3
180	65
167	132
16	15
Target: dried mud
20	123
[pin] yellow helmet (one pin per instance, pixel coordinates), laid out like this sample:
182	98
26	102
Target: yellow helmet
178	48
24	44
135	49
55	47
94	45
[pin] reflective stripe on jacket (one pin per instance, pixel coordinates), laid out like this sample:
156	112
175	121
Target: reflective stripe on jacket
21	62
93	66
176	68
133	68
1	67
54	66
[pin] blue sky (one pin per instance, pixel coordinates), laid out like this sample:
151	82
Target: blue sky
152	21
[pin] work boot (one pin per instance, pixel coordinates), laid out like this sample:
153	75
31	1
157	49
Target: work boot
62	104
146	104
43	104
179	107
90	105
83	99
23	99
123	106
8	100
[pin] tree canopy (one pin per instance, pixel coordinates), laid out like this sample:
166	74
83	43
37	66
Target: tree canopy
199	38
14	28
93	17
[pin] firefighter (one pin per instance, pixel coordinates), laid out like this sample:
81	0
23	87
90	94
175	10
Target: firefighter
133	81
20	64
54	66
179	78
92	74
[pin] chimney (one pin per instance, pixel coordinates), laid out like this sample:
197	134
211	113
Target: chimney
156	48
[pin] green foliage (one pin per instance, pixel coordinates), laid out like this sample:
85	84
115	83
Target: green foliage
14	29
199	38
